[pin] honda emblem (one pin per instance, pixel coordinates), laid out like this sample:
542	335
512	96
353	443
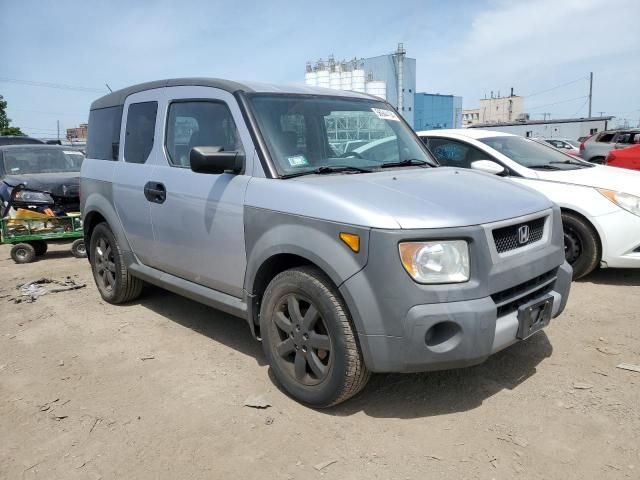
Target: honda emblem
523	234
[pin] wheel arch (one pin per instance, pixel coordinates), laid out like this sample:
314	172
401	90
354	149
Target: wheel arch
586	220
267	270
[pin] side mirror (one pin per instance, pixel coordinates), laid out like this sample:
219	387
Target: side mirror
215	160
487	166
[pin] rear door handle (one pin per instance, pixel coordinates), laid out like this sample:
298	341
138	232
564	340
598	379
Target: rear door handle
155	192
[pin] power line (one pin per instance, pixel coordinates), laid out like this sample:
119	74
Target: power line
558	103
60	86
556	87
581	107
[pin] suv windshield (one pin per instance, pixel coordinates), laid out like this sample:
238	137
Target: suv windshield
532	154
318	134
29	160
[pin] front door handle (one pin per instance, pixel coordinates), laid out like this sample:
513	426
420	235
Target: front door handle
155	192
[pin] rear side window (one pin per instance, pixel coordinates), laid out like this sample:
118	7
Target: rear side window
451	153
103	135
199	124
141	125
605	137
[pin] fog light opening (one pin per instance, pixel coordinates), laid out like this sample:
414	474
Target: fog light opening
443	336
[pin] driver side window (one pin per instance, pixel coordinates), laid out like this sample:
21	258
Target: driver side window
199	124
452	153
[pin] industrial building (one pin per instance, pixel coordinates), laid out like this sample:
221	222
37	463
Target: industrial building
571	128
391	77
434	111
78	134
495	109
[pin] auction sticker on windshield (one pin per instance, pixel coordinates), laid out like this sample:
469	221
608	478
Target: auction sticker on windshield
298	161
385	114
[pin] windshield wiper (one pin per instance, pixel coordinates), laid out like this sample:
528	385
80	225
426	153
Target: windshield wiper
405	163
544	166
570	162
328	169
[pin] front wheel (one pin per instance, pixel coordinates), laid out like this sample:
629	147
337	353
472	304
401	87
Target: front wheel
23	253
115	283
581	246
308	339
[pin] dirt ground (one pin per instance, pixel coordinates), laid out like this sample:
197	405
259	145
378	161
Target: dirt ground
156	389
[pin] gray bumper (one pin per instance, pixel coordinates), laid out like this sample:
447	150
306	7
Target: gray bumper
466	332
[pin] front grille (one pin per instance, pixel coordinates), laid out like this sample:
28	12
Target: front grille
508	238
510	299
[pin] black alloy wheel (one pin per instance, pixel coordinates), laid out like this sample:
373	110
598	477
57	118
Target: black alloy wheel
303	343
105	265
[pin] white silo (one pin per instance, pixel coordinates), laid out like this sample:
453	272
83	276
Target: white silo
334	80
357	80
345	80
322	77
311	79
377	88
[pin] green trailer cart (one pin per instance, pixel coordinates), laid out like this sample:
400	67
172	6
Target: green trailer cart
30	236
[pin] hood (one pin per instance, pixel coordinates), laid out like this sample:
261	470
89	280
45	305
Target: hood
409	198
599	176
58	184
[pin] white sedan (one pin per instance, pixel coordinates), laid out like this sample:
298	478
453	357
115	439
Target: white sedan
600	205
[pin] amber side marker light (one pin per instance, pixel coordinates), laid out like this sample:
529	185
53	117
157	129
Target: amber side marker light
352	240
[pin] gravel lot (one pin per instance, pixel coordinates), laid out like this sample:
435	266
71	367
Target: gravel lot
156	389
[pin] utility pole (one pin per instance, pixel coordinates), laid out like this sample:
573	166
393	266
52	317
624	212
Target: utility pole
58	127
590	91
400	54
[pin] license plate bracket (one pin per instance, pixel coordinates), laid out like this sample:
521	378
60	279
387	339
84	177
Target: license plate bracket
534	316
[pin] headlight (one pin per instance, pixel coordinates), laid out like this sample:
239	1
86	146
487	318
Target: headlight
626	201
436	262
28	196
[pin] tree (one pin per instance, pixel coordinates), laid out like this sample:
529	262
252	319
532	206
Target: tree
5	122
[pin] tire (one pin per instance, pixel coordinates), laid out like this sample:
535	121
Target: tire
598	160
115	284
23	253
313	353
40	247
78	249
581	245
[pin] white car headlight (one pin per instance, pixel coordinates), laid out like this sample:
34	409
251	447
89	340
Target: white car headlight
28	196
444	261
626	201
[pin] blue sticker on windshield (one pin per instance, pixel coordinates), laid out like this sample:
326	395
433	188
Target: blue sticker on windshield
297	161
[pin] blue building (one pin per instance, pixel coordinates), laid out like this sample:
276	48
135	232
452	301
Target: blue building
434	111
386	69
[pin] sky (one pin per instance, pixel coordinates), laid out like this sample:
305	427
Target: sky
464	47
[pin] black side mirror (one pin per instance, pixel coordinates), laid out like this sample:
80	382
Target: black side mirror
215	160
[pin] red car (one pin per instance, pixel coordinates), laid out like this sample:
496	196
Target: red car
625	158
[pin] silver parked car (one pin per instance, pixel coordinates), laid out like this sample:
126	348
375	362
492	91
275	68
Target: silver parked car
342	264
596	148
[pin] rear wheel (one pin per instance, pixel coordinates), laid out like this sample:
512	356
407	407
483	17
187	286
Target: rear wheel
40	247
23	253
114	282
78	249
308	339
581	246
598	160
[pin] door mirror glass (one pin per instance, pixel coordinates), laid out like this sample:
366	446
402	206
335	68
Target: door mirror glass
215	160
488	166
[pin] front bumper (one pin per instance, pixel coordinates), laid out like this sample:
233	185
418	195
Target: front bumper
620	235
467	333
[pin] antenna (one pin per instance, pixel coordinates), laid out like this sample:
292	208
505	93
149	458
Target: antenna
109	87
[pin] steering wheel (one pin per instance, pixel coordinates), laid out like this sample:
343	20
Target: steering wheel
351	154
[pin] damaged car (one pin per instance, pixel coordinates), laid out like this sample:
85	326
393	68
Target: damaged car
48	177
